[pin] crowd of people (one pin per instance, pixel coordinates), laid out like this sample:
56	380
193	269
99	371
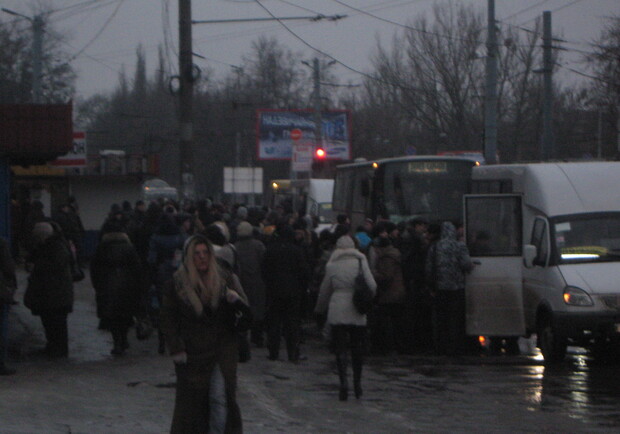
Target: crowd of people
175	268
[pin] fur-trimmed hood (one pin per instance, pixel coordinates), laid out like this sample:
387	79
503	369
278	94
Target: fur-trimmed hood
115	236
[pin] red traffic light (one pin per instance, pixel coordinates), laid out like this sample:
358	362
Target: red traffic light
320	153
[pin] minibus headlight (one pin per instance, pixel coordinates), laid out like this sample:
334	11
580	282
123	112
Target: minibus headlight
574	296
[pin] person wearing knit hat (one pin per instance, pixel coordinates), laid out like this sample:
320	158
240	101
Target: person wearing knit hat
50	286
244	230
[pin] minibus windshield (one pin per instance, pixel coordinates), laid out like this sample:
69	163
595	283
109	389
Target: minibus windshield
587	238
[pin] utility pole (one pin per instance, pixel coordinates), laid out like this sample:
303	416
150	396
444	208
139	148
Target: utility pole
38	24
547	138
186	92
37	57
490	100
599	141
318	117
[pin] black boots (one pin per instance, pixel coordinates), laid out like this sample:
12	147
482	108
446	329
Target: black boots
341	363
356	362
357	375
119	336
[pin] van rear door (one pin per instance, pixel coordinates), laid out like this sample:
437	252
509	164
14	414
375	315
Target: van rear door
494	296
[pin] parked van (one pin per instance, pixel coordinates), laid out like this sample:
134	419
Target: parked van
546	241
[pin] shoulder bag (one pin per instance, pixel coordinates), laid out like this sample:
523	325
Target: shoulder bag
362	294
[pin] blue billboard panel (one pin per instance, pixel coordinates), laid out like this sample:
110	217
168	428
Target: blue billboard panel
277	130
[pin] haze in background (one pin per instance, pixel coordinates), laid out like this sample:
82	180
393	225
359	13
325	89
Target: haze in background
104	34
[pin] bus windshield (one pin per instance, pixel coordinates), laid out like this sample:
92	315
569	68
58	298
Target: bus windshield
587	238
432	189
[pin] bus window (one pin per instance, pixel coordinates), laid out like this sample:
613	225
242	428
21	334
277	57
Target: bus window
429	189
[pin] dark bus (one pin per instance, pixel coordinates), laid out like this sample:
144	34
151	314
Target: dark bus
399	189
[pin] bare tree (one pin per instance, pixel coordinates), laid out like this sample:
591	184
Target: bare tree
16	64
605	88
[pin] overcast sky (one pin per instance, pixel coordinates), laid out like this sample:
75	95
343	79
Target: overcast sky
104	34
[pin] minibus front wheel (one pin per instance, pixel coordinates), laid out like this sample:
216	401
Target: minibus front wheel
551	344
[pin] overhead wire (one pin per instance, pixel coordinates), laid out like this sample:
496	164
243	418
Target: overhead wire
529	8
554	10
329	56
169	46
84	8
583	74
85	55
101	30
405	26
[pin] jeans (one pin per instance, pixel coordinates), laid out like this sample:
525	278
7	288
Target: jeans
217	402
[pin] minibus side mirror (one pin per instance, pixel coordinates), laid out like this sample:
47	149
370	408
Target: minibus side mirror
529	254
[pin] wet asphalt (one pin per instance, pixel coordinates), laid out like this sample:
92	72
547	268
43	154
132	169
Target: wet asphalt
94	392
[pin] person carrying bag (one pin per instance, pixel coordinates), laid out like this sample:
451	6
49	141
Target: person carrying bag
348	325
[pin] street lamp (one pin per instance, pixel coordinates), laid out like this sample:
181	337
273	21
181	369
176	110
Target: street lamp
37	51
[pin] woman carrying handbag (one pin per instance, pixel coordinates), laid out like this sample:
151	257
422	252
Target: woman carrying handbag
201	336
348	326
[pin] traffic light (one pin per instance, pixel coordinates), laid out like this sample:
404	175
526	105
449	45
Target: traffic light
318	165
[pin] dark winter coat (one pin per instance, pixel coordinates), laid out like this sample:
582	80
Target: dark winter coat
389	275
250	254
207	342
285	269
50	285
71	225
413	250
165	248
8	280
448	261
139	234
117	277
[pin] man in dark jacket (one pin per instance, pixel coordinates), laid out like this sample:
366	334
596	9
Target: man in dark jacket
71	225
286	274
165	248
50	286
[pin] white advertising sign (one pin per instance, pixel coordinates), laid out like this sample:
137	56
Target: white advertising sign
243	180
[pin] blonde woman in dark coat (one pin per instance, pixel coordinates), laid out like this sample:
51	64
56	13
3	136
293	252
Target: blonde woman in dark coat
348	326
202	347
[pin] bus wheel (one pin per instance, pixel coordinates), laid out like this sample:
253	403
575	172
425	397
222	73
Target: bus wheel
552	346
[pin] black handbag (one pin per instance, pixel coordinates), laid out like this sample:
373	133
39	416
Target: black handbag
238	316
362	294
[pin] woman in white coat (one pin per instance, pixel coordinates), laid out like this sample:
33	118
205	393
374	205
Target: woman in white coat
348	326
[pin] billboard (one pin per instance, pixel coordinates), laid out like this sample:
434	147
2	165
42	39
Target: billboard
274	127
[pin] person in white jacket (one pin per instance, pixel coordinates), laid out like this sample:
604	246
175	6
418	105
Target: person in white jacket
348	326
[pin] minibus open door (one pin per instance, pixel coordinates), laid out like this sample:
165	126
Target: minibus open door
493	292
